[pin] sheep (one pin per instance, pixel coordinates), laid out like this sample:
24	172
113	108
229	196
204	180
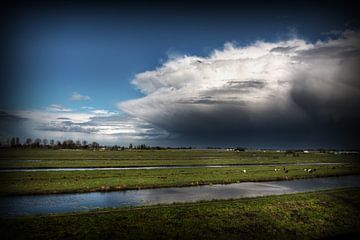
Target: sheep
305	169
244	171
309	170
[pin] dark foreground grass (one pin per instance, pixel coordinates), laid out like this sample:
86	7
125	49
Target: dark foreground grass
330	214
18	183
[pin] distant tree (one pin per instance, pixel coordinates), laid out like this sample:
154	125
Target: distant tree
68	144
78	144
240	149
37	142
17	142
142	146
12	142
52	142
95	145
130	146
45	142
289	152
28	142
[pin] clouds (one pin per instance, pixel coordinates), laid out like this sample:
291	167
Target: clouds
290	93
281	91
8	117
115	126
78	97
58	108
90	124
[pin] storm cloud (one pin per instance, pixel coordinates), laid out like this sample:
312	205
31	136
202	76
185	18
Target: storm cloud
289	93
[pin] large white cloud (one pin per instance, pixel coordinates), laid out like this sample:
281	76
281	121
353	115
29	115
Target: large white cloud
283	87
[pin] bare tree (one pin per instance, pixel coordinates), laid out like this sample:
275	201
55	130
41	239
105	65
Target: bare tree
37	142
12	142
28	141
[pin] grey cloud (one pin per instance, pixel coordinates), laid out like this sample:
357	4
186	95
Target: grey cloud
63	118
328	51
309	96
282	49
208	100
113	125
66	126
5	116
204	101
246	84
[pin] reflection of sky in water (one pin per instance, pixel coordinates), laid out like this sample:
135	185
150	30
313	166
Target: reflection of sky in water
58	203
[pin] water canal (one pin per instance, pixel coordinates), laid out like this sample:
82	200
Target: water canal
61	203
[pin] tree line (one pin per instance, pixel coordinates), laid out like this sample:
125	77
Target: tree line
15	142
38	143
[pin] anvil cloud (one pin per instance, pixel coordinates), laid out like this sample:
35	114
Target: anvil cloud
287	92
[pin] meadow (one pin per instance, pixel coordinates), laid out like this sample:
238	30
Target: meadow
331	214
22	183
47	158
312	215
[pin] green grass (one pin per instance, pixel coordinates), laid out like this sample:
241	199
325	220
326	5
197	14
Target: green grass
87	181
88	158
325	214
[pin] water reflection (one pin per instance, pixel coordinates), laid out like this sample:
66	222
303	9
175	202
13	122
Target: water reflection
59	203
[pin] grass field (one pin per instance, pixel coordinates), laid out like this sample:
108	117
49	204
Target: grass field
87	181
332	214
88	158
16	183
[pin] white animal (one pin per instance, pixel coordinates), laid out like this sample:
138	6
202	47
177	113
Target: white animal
305	169
309	170
244	171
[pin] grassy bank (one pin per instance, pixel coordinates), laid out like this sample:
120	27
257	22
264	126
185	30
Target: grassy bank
327	214
87	181
12	158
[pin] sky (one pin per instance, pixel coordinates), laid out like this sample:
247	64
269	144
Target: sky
215	73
